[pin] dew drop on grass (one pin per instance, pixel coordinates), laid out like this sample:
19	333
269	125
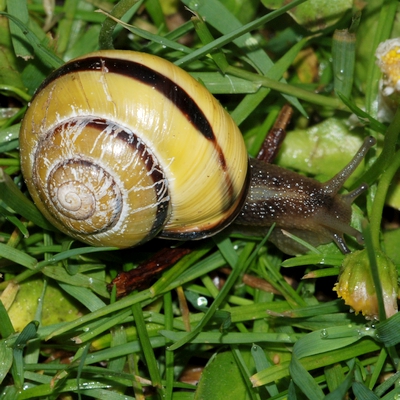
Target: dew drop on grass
324	334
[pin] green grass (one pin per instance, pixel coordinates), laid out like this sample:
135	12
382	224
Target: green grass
260	331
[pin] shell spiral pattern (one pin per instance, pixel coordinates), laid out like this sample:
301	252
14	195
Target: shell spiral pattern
118	147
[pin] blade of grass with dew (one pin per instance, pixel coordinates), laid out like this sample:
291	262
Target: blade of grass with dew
330	259
111	308
60	275
92	389
233	337
261	362
343	56
123	350
94	329
83	295
216	83
331	338
322	273
278	372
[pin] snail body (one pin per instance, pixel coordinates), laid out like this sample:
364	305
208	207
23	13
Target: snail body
118	147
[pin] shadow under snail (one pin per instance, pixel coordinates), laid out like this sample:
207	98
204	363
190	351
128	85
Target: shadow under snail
118	147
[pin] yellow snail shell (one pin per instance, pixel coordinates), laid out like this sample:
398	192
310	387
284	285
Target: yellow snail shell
118	147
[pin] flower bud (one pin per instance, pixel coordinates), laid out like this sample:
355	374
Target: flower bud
356	286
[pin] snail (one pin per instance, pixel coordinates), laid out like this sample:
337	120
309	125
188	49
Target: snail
118	147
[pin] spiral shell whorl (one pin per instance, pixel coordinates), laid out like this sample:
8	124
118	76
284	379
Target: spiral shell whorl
83	192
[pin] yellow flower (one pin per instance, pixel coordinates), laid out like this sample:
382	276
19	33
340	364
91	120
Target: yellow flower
357	289
388	55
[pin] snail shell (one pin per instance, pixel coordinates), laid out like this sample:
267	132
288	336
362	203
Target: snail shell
118	147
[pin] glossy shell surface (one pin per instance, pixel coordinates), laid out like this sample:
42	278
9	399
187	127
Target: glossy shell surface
118	146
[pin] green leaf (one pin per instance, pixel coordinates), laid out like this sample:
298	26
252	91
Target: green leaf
321	150
314	15
212	384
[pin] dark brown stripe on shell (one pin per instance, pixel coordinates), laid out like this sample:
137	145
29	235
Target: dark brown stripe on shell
176	94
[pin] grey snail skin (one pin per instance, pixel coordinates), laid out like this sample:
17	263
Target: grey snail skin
118	147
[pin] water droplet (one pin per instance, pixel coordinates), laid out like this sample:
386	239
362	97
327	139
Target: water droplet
252	43
202	302
193	5
324	334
